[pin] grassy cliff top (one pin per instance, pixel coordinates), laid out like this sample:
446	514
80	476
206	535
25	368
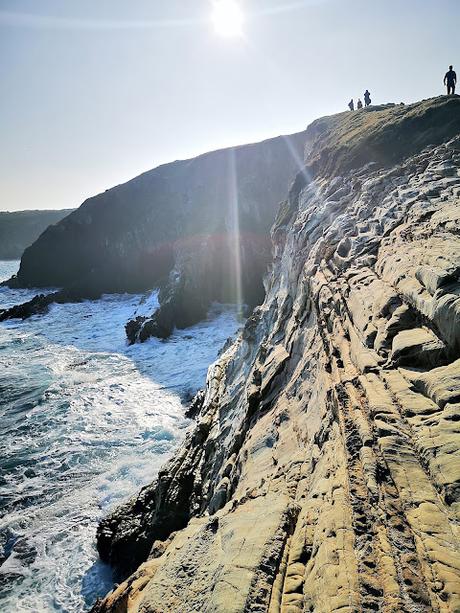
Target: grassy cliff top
382	134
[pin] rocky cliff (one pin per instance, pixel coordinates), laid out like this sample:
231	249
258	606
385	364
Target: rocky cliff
199	228
19	229
323	473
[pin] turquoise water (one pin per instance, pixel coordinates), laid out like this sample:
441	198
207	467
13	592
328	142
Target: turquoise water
85	421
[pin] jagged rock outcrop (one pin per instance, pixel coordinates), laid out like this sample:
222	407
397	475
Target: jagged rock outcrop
324	471
198	228
19	229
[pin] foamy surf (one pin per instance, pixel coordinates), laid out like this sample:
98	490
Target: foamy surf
85	422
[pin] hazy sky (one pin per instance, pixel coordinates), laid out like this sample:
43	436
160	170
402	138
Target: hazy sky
94	92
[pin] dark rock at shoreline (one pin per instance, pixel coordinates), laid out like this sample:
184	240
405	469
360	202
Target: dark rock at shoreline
196	405
86	290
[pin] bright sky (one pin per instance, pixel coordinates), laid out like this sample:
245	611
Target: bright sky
95	92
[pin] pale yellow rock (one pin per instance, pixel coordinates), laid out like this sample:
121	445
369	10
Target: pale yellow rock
327	478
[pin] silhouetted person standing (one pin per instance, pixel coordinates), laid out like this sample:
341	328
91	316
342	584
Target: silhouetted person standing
450	80
360	104
367	98
351	105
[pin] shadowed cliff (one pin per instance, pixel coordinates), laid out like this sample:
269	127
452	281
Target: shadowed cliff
197	228
323	473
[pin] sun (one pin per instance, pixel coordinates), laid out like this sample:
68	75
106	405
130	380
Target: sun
228	18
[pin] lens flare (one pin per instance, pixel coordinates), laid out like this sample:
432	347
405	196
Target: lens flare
227	18
235	237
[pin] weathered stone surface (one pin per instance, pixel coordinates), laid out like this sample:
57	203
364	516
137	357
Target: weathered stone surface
323	474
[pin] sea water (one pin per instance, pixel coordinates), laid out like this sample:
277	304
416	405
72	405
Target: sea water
85	421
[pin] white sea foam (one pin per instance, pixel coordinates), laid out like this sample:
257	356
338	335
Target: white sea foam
86	420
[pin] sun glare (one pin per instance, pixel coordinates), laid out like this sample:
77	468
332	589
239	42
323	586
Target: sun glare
227	18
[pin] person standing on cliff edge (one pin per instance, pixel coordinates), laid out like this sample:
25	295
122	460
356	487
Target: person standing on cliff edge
450	81
367	97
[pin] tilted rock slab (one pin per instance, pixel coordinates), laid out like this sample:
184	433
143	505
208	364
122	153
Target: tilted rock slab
324	471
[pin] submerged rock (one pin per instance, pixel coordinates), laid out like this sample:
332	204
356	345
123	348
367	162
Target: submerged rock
323	473
39	304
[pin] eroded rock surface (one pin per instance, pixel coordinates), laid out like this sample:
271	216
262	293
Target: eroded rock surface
324	470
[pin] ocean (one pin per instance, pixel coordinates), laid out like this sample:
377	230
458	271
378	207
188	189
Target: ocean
85	422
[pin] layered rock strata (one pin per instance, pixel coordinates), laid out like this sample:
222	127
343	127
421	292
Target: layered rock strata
324	470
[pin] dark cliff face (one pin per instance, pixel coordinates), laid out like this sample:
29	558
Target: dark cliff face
19	229
198	229
130	237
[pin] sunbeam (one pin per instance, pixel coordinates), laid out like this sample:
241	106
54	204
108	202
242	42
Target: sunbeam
235	236
300	163
12	19
228	19
275	73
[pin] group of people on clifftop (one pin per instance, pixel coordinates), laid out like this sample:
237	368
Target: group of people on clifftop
359	104
450	81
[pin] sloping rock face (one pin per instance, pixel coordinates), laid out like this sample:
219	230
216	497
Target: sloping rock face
199	228
324	471
19	229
